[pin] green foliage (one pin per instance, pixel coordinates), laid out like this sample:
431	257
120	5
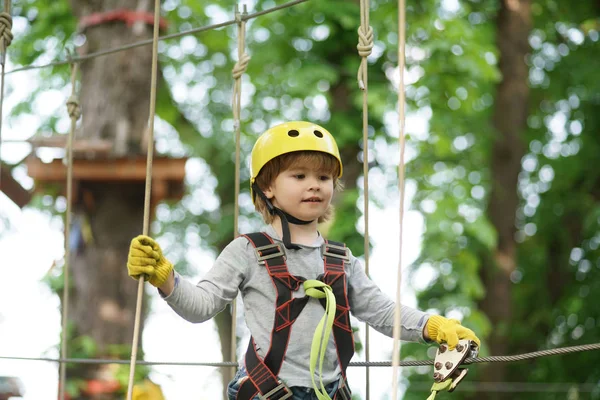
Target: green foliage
304	65
85	347
50	26
557	212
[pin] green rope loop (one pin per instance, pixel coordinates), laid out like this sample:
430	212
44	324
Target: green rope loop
320	290
438	387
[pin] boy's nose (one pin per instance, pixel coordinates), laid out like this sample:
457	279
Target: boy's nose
314	184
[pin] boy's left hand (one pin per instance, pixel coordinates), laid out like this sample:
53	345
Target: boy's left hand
449	331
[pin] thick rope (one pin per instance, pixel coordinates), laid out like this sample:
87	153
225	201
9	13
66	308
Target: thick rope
6	37
74	114
401	189
365	42
147	195
364	47
411	363
161	38
238	70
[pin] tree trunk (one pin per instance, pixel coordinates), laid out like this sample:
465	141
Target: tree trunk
115	93
509	120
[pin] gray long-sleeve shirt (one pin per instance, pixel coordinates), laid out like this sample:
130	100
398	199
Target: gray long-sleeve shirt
236	269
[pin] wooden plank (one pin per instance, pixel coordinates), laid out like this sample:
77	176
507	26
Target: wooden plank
121	169
79	145
13	189
167	174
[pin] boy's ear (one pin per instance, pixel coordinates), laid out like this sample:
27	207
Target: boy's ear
268	192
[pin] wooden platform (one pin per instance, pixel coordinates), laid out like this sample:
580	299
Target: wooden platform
13	189
167	174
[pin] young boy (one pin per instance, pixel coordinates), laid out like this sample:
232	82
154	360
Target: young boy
293	282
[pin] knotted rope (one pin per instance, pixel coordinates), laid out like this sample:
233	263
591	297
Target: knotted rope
73	107
6	38
6	35
238	70
365	45
74	111
401	189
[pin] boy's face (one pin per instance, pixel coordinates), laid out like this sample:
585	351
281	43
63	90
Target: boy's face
302	192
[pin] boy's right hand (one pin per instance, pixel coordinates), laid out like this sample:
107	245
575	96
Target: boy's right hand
146	258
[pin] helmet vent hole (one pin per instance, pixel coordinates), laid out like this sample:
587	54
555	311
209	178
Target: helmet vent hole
318	134
293	133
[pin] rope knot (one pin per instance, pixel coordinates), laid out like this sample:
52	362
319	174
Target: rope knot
241	66
73	107
316	289
5	30
365	41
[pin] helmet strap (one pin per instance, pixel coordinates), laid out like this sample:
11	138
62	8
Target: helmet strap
293	220
286	219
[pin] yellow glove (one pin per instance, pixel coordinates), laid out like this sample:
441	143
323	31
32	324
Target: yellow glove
146	258
450	331
147	390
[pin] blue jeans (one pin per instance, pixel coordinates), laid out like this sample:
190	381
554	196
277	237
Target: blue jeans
300	392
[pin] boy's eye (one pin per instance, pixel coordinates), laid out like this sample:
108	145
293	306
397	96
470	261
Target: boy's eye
325	177
299	176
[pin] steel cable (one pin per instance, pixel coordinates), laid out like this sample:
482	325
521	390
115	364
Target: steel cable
405	363
160	38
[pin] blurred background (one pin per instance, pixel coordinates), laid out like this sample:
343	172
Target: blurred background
502	193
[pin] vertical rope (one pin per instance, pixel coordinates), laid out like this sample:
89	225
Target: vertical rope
6	37
238	71
365	45
401	189
74	111
147	195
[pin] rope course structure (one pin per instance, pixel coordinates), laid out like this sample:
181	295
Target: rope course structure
147	195
74	111
401	189
6	37
364	47
238	70
405	363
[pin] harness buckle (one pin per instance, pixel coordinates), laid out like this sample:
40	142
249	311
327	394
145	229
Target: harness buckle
343	391
267	396
268	252
333	250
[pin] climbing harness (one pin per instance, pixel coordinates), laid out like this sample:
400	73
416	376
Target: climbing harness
447	374
331	290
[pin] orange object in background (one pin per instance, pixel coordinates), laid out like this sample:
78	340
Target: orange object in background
97	386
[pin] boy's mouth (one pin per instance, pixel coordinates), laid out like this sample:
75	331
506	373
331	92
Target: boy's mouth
312	200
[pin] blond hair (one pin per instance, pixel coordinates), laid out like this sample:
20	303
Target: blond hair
322	162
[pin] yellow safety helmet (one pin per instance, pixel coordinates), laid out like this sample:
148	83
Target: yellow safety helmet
147	390
289	137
